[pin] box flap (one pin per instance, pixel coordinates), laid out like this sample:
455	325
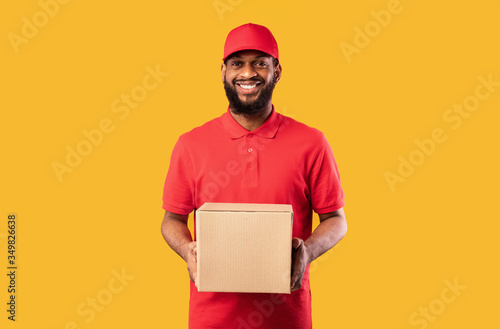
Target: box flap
219	206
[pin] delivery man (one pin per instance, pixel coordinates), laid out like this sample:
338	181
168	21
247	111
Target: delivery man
252	154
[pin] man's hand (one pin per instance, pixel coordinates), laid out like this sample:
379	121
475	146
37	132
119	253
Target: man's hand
300	260
192	262
175	231
331	229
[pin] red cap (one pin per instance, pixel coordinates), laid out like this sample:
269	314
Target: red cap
250	37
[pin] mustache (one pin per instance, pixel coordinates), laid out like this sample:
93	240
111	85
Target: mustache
235	81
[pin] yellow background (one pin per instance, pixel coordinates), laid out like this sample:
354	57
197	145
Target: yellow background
440	224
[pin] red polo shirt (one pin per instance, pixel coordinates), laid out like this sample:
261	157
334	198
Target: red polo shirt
282	162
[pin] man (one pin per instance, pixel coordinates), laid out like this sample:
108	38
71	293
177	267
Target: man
252	154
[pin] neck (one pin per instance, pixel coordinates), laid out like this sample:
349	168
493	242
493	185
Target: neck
252	122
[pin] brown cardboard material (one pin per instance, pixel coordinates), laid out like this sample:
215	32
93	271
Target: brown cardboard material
244	247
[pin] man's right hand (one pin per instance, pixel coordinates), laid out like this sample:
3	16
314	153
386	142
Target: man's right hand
175	231
192	262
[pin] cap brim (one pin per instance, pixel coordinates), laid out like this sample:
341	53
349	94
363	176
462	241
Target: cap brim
246	48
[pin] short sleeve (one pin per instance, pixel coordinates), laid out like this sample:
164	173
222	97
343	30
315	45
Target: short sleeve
327	194
178	191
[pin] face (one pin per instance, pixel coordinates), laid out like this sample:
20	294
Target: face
249	78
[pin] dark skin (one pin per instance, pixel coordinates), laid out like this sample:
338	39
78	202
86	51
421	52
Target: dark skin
246	66
255	68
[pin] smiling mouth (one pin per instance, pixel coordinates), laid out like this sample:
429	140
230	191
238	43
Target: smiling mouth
248	86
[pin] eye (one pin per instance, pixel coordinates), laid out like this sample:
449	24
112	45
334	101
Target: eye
261	64
235	63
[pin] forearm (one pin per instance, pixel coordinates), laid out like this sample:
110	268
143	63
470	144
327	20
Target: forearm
328	233
176	233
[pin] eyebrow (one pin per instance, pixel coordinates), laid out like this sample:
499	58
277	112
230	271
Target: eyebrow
260	56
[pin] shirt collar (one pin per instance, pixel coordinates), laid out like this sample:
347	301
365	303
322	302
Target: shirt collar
267	130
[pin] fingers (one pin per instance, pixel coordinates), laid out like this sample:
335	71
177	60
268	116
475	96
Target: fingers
297	264
193	276
297	273
192	260
192	246
297	243
193	250
296	280
293	280
194	253
195	279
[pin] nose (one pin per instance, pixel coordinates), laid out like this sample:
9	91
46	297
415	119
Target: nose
248	71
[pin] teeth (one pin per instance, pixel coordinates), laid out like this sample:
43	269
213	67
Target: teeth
247	87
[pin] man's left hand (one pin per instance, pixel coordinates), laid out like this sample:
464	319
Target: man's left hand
300	260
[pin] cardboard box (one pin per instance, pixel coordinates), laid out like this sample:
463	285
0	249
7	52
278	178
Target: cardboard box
244	247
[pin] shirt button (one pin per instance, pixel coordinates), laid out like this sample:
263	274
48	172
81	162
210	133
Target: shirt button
250	149
249	165
250	135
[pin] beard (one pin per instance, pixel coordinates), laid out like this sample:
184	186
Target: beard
248	108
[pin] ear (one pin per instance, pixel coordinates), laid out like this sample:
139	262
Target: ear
223	71
277	72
